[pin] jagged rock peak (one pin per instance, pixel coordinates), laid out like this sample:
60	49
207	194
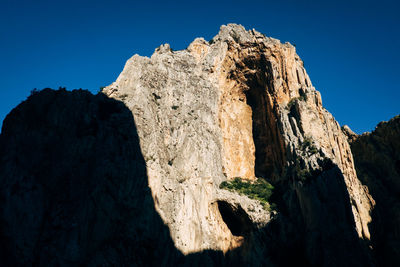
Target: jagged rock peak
238	34
165	48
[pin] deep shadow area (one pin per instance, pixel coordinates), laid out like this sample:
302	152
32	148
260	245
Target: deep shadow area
235	218
315	224
73	186
376	158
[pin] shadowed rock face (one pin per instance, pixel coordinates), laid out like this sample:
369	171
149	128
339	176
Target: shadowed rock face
377	160
73	185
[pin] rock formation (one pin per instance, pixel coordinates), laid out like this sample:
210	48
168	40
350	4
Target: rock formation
240	105
377	160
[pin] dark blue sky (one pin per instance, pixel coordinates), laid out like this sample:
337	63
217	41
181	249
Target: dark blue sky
351	49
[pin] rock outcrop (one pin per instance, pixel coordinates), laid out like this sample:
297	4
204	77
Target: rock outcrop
241	105
132	176
377	161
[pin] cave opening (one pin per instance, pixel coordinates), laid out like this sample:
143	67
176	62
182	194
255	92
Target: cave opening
235	218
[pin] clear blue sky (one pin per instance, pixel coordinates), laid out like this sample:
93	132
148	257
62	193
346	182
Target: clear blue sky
351	49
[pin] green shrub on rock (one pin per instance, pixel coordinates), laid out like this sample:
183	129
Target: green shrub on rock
259	190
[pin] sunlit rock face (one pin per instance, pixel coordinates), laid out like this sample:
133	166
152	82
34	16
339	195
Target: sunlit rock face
240	105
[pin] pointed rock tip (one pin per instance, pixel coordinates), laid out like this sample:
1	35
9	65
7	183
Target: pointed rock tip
164	48
233	32
237	33
348	132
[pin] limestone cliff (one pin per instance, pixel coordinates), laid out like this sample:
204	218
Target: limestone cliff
165	135
241	105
